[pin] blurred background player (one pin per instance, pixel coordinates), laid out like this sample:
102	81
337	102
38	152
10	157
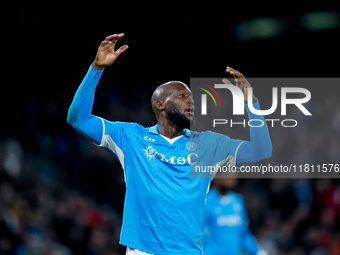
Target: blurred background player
226	229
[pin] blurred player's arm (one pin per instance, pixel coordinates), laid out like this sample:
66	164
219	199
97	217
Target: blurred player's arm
79	114
259	147
249	243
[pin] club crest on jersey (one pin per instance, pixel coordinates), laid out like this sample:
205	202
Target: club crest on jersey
150	152
191	146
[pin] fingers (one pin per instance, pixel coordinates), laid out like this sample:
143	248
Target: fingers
226	81
234	72
114	38
111	39
110	42
241	82
121	49
103	43
239	77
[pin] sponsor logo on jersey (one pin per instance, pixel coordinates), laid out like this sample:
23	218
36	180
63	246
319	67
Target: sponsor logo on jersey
191	158
150	152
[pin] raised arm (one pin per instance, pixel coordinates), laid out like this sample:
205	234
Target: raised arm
79	114
259	147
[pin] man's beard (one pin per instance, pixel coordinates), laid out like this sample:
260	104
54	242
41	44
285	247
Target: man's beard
179	119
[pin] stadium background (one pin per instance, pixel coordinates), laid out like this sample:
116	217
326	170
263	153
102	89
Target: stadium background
59	194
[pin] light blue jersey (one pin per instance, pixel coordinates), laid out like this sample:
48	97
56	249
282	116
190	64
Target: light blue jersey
226	230
164	207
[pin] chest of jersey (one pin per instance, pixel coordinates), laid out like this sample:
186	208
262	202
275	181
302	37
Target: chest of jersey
157	151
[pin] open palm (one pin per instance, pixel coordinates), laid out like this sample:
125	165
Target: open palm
107	54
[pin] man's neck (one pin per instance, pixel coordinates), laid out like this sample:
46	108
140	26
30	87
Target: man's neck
169	130
221	191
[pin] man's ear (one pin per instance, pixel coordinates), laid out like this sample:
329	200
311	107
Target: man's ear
160	105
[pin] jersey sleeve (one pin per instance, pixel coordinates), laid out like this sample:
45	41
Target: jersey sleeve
232	152
224	150
115	136
259	147
111	135
79	114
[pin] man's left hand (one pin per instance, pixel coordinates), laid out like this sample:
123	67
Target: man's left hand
241	82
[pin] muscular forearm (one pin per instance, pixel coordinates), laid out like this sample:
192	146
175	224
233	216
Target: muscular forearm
79	114
259	147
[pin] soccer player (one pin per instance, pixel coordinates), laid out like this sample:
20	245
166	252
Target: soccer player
164	208
226	229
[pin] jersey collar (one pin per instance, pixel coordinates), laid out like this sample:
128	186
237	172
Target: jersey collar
154	130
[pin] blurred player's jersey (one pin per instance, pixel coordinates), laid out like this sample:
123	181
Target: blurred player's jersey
164	207
226	230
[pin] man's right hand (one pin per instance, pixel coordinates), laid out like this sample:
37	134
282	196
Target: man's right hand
106	54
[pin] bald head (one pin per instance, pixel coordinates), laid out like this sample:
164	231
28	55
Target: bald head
162	92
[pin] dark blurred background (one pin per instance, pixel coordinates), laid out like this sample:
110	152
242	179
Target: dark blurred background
60	194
